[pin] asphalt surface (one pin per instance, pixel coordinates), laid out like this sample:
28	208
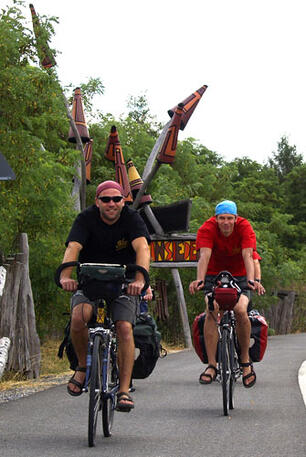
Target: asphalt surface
174	415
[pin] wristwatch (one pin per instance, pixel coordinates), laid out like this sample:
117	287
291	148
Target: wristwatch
258	280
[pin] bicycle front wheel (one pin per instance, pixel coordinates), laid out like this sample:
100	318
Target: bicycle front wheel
225	371
109	391
95	389
234	368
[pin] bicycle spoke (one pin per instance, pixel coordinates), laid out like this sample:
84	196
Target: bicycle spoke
225	371
95	390
110	386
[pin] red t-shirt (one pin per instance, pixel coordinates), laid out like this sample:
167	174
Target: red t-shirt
226	250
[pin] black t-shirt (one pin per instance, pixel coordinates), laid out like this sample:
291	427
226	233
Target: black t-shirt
103	243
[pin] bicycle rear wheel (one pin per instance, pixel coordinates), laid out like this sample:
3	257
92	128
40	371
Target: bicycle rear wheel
109	391
225	371
95	390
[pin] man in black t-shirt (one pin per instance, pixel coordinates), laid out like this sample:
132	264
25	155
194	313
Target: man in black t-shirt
107	232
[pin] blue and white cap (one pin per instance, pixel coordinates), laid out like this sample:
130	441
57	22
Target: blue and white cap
226	207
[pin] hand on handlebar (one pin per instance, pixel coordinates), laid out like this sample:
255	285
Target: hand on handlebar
69	284
196	285
135	287
149	294
257	286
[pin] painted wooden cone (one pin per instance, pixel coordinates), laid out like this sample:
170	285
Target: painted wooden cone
189	105
88	158
79	118
114	153
112	140
44	52
136	183
168	148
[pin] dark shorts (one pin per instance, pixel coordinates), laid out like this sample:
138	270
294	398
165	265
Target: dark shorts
241	281
123	308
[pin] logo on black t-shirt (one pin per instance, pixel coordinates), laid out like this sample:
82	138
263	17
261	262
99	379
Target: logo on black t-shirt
121	244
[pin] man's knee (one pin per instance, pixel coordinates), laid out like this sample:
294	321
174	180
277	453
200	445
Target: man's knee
80	316
124	331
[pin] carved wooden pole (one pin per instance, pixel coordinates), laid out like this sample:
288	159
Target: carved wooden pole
79	183
164	144
17	318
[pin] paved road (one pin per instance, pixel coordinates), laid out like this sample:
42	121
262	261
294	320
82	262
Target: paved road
175	416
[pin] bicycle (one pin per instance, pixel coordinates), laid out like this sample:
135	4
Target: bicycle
102	283
226	292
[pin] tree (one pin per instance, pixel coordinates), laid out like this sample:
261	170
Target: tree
34	127
285	159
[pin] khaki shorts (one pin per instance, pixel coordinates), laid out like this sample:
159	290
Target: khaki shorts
123	308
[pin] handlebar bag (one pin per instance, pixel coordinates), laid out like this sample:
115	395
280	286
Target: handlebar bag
100	280
226	297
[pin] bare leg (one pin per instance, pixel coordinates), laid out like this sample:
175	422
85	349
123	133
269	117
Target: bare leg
126	353
211	342
243	332
81	314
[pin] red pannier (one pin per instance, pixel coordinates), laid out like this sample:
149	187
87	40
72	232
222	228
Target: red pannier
259	333
198	337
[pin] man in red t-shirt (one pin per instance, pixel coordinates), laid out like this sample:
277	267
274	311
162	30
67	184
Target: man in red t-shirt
227	242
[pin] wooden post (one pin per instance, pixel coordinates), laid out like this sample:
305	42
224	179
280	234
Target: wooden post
182	306
150	168
18	315
280	315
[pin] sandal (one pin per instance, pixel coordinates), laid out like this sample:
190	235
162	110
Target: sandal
122	406
211	378
76	383
249	375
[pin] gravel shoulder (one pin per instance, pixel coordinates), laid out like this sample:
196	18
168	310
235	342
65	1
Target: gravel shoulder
24	389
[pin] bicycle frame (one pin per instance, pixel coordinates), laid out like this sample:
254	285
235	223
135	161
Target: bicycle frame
228	370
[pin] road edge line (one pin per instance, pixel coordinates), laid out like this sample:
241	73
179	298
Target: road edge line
302	380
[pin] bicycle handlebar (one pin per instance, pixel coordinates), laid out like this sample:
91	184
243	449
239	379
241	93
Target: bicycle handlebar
130	268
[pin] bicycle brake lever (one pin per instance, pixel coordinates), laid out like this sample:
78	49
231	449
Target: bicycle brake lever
210	301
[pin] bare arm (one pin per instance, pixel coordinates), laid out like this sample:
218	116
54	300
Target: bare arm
257	269
247	255
71	254
141	247
205	254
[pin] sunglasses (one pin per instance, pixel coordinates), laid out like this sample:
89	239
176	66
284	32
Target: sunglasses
107	199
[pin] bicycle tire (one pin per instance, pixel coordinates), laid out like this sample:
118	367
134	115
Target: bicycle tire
95	390
108	401
233	367
225	371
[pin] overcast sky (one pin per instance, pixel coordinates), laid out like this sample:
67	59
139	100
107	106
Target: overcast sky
250	54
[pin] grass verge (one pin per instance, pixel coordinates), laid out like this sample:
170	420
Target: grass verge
51	367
